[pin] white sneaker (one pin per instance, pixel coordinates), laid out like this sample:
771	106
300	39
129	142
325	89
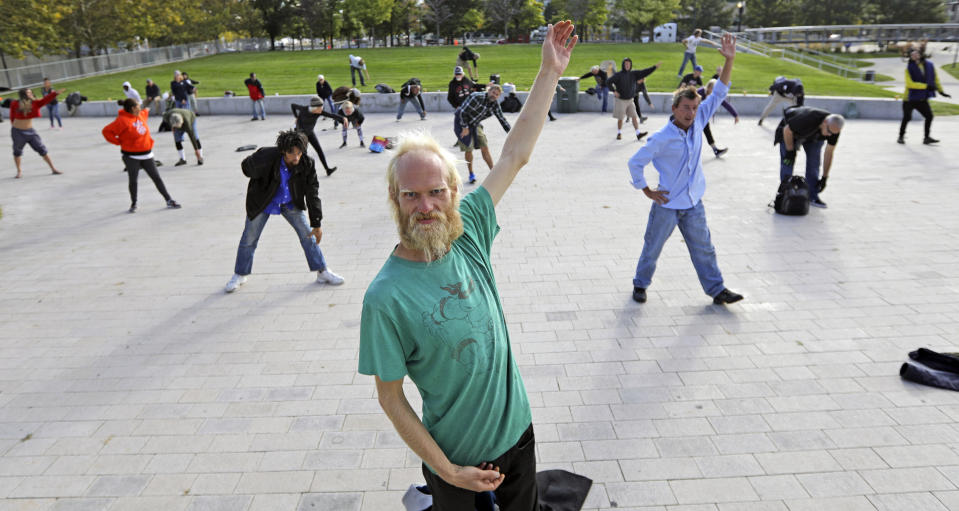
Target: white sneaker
236	281
328	277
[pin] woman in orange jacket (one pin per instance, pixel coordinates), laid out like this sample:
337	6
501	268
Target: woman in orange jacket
131	132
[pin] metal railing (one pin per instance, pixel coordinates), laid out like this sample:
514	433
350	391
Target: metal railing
791	55
855	33
71	69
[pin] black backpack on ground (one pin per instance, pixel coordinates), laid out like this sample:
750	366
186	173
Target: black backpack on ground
511	103
792	198
383	88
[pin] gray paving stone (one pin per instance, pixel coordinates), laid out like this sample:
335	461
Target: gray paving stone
218	396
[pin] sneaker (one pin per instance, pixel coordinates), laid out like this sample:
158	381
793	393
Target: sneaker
720	152
236	281
639	294
179	162
726	296
472	178
172	204
343	144
362	144
643	119
133	208
929	140
760	122
254	119
199	161
818	203
330	170
619	136
328	277
901	140
641	134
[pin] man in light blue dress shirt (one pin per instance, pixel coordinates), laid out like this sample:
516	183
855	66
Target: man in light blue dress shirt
676	153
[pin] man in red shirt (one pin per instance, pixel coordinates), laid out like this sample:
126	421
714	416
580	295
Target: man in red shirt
256	95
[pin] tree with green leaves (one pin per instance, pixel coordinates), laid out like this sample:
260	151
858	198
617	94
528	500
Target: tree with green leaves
771	13
29	26
517	17
907	11
275	14
371	13
439	13
704	14
583	13
637	15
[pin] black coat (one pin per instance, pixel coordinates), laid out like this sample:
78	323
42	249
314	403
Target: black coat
263	169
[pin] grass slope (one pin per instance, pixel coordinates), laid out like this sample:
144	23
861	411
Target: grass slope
295	72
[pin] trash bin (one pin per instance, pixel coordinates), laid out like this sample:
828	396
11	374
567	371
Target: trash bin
567	101
869	76
494	78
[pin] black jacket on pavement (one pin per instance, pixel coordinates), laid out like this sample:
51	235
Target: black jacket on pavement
263	169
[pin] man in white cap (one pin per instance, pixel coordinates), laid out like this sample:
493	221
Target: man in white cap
325	92
459	89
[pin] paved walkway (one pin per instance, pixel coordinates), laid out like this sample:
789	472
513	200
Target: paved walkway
130	381
896	68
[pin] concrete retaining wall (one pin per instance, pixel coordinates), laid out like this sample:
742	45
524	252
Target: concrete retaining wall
747	105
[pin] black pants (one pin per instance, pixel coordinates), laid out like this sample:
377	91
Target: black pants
709	135
920	106
516	493
311	136
133	166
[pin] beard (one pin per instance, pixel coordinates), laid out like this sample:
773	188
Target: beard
433	239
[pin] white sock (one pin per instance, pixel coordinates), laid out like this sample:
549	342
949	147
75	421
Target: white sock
200	152
181	153
637	131
619	132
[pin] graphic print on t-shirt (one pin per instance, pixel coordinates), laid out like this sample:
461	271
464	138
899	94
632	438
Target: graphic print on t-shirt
459	321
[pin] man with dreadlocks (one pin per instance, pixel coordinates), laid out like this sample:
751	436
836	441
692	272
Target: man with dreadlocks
282	182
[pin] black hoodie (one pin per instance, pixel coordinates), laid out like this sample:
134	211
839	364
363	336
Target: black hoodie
624	82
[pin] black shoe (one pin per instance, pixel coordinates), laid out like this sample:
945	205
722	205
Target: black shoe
133	208
619	136
720	152
901	140
641	134
330	170
643	119
818	203
726	296
760	122
343	144
172	204
254	119
929	140
639	294
181	162
362	144
199	161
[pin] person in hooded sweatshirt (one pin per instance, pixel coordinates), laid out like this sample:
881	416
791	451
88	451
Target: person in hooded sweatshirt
131	132
624	85
131	92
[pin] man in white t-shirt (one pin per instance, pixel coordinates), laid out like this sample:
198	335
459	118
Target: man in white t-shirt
689	55
358	65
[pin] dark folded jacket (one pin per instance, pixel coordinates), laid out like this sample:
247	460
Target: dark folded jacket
931	368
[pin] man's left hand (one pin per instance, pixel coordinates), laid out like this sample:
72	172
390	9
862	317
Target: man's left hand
822	183
317	234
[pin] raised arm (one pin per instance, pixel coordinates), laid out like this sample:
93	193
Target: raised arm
728	50
521	139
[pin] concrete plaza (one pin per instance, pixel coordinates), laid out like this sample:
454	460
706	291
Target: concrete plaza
130	381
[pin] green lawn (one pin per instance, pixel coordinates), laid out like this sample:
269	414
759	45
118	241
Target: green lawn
951	69
295	72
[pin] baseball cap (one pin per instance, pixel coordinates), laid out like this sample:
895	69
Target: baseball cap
320	77
458	70
315	101
698	68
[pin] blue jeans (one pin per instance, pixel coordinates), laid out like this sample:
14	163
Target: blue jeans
687	56
179	134
54	111
813	150
329	105
259	103
603	94
181	103
692	224
416	105
251	235
353	73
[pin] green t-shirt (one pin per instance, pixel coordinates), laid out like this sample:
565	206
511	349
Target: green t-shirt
442	323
